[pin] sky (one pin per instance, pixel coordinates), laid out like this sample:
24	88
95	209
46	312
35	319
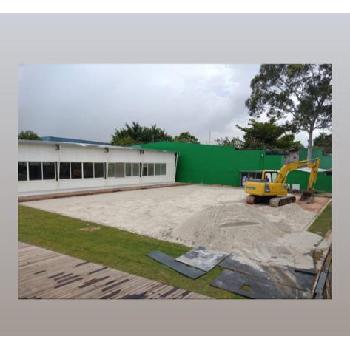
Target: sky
89	101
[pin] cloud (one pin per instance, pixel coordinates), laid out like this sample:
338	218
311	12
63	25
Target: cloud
90	101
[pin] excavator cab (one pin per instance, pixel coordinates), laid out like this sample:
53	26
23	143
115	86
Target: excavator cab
269	175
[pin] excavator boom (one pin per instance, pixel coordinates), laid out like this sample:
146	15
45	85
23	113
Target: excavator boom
287	168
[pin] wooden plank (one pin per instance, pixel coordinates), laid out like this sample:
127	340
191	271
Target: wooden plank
44	274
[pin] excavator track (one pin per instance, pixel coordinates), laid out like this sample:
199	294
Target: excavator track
279	201
250	199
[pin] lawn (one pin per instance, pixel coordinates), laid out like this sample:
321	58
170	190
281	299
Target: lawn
111	247
323	222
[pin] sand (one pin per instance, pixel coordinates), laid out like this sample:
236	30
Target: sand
211	216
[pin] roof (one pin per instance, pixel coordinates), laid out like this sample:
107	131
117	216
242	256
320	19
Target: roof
87	145
64	139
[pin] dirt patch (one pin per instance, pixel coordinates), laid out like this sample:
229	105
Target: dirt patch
90	228
316	206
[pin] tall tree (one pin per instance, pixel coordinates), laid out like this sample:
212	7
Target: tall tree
186	137
28	135
301	93
324	141
234	142
134	133
268	135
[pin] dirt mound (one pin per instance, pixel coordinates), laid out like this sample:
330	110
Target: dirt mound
254	234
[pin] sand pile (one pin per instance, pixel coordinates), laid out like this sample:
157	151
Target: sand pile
255	234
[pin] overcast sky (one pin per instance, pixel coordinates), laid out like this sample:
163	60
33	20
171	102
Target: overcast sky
89	101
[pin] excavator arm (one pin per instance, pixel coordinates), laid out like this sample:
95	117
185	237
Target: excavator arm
312	164
287	168
313	174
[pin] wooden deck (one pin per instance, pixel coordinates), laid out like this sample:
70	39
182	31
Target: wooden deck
44	274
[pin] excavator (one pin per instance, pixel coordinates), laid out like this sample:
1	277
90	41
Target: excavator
272	186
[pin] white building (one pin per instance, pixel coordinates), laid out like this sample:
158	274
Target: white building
51	167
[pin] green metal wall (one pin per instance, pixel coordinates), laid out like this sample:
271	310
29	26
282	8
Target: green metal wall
323	184
211	164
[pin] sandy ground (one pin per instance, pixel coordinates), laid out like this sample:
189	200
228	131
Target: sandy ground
210	216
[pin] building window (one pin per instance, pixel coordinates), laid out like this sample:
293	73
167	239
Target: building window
119	169
111	169
64	170
49	171
88	170
160	169
132	169
157	169
35	171
163	169
150	169
22	171
135	169
144	170
76	170
128	169
99	170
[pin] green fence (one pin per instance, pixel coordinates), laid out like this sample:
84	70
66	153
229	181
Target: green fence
211	164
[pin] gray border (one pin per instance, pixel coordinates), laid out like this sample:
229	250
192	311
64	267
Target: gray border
164	39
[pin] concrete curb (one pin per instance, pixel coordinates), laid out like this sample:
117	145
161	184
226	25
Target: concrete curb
91	192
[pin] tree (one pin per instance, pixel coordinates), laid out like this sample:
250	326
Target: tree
186	137
28	135
268	135
299	92
137	134
234	142
324	141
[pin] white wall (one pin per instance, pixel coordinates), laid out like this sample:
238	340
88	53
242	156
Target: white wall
33	152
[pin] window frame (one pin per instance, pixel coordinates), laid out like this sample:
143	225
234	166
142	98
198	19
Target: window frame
133	166
111	166
157	165
81	171
26	172
70	171
163	166
122	165
54	171
144	167
103	170
41	171
92	170
128	169
148	167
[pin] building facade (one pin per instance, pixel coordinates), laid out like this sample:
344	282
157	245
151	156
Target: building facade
51	167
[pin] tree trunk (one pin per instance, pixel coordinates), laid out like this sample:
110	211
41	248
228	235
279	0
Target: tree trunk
309	146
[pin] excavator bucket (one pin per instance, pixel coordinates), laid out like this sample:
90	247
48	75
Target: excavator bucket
307	196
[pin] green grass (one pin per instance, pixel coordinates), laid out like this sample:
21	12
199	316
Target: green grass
323	222
111	247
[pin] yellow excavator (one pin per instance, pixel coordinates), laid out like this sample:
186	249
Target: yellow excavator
272	186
